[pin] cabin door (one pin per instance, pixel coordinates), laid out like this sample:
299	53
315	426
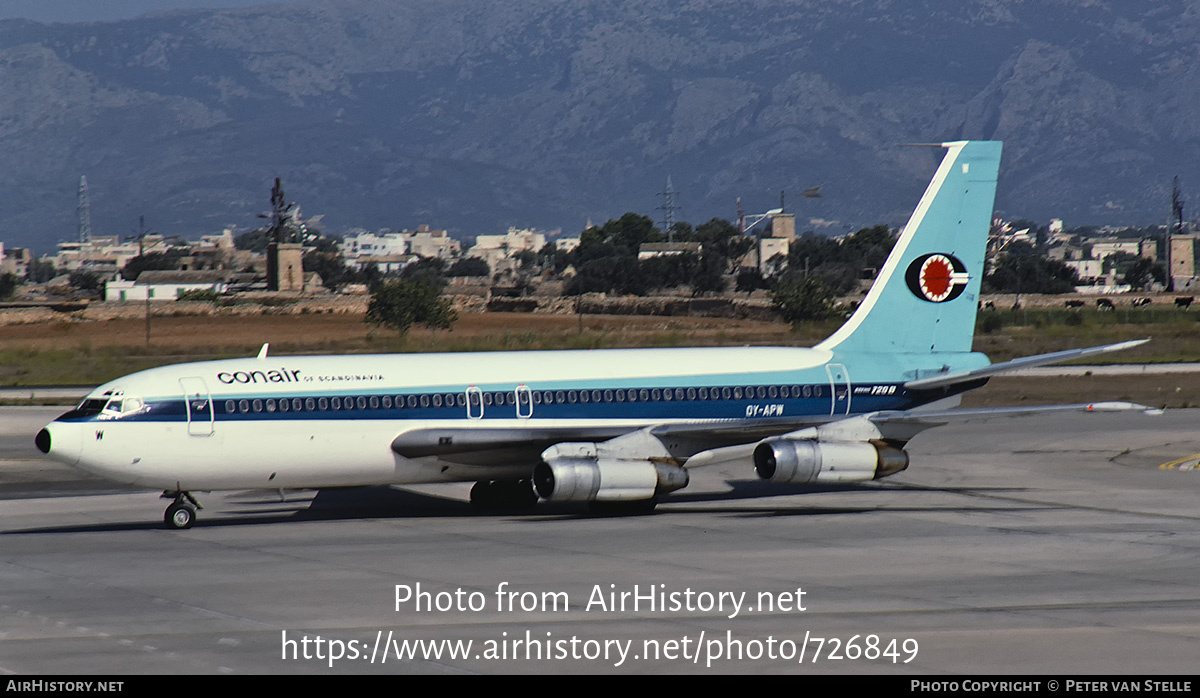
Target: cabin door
199	407
524	398
839	389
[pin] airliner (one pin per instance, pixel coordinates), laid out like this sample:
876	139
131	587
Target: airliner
616	428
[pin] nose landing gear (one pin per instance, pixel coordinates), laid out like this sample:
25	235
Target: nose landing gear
182	512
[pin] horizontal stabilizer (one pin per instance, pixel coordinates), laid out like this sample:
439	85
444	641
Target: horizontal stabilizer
1017	364
933	418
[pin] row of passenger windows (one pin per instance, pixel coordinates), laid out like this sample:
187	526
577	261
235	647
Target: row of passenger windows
524	397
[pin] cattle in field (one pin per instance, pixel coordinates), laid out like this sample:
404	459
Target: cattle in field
1139	302
987	305
1184	302
1074	304
1104	304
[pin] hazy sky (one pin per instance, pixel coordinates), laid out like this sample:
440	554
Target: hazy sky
101	10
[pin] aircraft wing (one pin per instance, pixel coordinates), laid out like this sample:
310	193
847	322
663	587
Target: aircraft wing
950	379
704	442
898	426
505	446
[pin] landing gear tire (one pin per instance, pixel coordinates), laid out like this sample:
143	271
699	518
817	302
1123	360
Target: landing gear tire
182	512
180	515
503	496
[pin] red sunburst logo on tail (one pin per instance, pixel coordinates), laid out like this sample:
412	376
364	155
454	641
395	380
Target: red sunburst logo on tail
937	278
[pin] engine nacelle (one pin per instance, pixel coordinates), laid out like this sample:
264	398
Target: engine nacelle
803	460
574	473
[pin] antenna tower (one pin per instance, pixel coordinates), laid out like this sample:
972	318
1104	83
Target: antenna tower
669	208
85	211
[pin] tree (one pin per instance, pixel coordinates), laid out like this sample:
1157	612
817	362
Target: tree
1030	274
41	271
329	266
1141	272
8	286
802	300
154	261
431	270
469	266
403	303
88	281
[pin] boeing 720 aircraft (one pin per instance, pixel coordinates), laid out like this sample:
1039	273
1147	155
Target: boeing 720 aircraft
613	426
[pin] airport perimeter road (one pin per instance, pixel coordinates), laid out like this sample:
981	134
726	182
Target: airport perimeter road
1032	545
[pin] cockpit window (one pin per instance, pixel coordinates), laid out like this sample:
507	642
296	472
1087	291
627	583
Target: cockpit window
90	407
123	405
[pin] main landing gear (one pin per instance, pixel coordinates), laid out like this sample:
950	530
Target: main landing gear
503	495
182	512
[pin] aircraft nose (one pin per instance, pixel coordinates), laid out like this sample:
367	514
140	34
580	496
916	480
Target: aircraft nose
59	442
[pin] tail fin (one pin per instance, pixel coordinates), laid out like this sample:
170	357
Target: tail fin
926	295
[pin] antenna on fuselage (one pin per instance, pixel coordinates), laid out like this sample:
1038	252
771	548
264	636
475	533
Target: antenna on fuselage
262	353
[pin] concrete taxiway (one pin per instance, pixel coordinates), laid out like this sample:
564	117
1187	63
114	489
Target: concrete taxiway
1025	545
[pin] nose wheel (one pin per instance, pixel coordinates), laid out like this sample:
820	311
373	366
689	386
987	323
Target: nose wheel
182	512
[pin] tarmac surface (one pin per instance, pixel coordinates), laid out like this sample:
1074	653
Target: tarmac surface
1053	545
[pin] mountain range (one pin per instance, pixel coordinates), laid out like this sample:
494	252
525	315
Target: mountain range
473	115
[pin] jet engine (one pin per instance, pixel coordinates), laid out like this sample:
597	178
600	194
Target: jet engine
804	460
575	473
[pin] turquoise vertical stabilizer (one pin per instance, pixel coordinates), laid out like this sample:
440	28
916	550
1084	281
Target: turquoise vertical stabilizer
927	294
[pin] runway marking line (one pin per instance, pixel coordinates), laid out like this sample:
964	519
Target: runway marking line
1191	462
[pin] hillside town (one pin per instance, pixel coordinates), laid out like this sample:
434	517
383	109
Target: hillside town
632	255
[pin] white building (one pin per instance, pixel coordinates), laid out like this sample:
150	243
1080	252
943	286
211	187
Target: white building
364	244
496	249
1106	247
104	250
433	243
1087	270
165	285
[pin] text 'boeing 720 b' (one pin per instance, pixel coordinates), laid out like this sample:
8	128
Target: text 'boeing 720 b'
612	426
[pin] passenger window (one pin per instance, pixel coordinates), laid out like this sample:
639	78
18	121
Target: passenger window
230	407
